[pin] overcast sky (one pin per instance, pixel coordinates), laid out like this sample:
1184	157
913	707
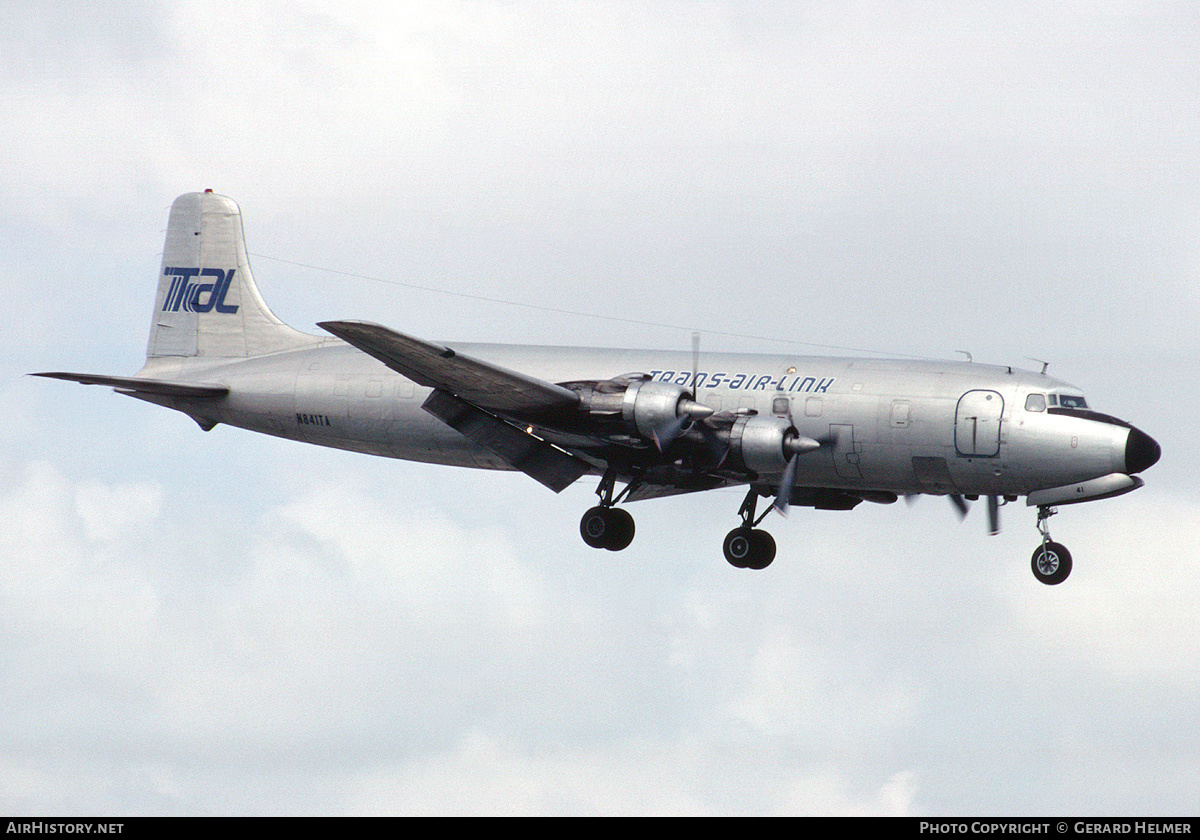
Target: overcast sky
221	623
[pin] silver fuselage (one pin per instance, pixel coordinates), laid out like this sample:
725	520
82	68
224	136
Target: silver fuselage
899	426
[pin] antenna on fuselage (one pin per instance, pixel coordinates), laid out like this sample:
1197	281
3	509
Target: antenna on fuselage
965	353
1042	363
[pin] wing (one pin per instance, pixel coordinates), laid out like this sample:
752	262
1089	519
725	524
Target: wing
479	383
558	432
478	399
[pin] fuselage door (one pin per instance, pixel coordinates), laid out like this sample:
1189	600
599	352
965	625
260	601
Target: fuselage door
977	424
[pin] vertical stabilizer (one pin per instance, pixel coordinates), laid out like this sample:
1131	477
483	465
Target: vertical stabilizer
207	303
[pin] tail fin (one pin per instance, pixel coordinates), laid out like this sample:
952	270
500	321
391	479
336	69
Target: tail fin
207	302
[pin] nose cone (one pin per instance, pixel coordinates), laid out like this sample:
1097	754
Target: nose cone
1141	451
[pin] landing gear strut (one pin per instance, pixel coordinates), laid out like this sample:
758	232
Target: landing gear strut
607	526
1051	561
747	547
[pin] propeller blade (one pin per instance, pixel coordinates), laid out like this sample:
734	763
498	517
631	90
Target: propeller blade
688	410
717	448
695	361
666	434
784	497
960	504
993	515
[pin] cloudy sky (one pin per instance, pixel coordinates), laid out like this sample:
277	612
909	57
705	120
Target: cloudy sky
221	623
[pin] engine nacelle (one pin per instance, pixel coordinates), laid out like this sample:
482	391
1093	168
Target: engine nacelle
648	406
761	441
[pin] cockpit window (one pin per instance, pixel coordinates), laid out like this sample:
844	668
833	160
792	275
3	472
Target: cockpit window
1071	401
1035	402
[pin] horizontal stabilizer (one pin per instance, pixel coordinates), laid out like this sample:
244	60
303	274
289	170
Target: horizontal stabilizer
479	383
161	387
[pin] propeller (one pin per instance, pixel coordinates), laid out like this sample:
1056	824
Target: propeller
687	411
717	448
993	511
794	444
960	504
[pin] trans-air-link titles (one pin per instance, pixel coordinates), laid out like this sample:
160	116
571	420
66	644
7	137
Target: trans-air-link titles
787	383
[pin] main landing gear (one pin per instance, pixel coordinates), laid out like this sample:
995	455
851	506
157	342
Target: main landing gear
607	526
1051	561
611	527
747	546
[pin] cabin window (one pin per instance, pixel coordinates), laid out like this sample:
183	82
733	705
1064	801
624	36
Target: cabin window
1035	402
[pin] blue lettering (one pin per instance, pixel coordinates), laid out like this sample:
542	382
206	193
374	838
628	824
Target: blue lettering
185	294
202	288
177	294
221	305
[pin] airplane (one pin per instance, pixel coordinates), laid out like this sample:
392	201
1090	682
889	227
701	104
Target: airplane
825	433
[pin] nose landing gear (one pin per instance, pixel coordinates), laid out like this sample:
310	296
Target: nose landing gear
1051	561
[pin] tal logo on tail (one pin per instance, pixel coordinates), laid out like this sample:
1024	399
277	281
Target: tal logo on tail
189	292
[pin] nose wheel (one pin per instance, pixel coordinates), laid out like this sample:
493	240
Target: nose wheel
1051	562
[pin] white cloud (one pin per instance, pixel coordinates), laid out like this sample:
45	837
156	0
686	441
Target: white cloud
481	775
1130	611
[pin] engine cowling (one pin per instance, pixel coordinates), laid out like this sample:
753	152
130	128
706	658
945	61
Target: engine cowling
758	440
765	443
648	406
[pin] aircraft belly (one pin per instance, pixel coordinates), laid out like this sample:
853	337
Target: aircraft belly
262	400
416	435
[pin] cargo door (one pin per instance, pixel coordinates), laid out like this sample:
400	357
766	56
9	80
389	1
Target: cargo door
977	424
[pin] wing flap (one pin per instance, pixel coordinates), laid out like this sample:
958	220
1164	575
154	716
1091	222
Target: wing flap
434	366
536	458
133	384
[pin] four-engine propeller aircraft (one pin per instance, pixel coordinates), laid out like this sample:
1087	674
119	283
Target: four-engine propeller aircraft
827	433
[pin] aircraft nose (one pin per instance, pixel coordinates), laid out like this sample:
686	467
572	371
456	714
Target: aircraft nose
1141	451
